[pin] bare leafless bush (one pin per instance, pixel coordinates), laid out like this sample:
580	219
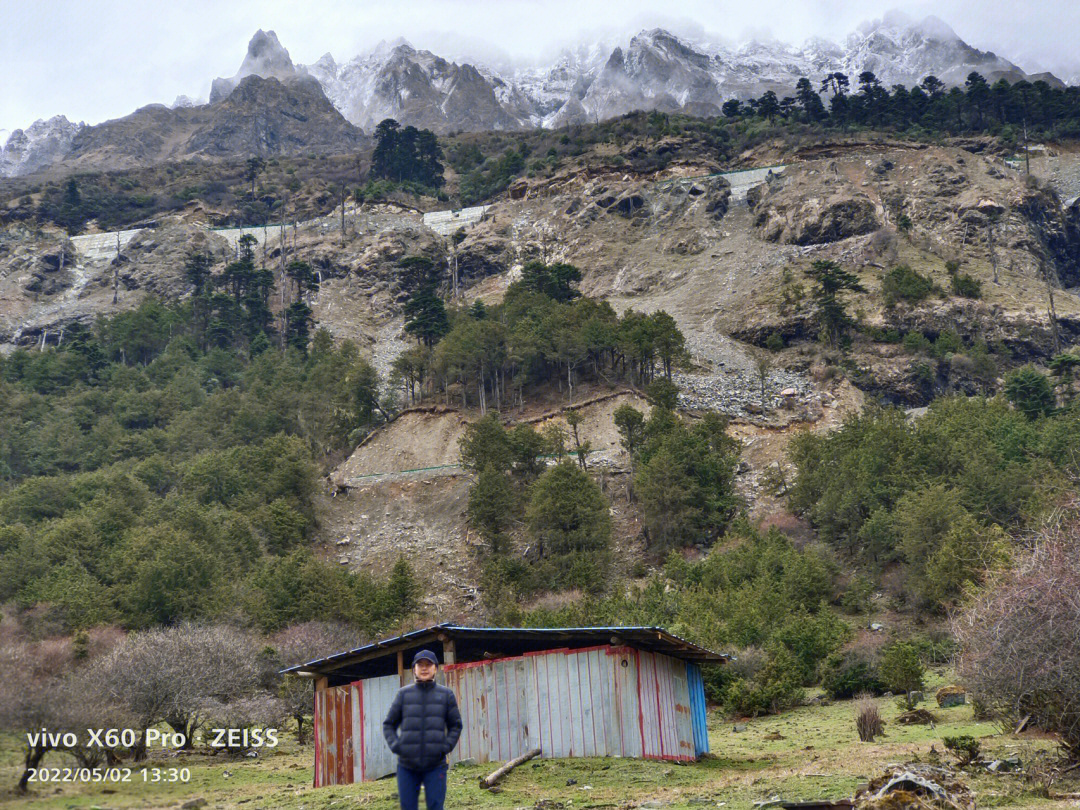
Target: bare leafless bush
868	720
1019	646
883	245
297	645
41	686
261	711
167	674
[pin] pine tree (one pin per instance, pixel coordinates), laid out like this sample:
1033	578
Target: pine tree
831	281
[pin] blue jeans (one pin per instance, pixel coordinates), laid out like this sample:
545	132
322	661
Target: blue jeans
408	787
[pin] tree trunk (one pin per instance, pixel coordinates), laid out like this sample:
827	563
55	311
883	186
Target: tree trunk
139	751
33	759
492	778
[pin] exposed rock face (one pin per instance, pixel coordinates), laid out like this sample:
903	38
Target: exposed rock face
260	117
38	146
154	260
654	70
268	117
415	87
1057	233
900	50
659	71
46	283
266	58
785	215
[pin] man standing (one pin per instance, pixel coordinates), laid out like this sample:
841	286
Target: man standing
430	725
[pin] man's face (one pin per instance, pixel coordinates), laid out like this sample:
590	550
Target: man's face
424	670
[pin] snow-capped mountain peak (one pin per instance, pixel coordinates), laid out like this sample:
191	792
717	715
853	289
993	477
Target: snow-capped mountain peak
265	57
653	69
39	145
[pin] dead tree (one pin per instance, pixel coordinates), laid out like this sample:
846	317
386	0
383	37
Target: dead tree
1019	652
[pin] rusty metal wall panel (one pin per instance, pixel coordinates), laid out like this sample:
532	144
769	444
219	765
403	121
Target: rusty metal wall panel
563	720
683	717
665	723
330	733
497	713
317	725
468	696
330	738
647	710
665	715
596	701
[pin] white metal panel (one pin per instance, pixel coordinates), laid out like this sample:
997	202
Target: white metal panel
522	689
359	732
379	693
531	692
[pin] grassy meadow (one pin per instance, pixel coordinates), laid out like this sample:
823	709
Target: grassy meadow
811	752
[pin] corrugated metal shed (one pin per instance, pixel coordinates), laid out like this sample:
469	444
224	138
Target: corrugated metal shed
566	697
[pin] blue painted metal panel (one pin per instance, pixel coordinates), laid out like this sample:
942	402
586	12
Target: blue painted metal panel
697	708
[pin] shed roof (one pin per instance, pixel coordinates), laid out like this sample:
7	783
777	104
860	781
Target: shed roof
471	643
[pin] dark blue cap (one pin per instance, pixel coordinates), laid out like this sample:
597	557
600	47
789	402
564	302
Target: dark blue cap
425	655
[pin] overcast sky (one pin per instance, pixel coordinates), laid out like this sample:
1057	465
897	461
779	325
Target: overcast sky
96	60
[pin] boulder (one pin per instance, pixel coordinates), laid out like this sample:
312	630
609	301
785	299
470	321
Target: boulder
951	696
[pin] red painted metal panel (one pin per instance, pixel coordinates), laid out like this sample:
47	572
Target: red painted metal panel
317	726
339	719
363	742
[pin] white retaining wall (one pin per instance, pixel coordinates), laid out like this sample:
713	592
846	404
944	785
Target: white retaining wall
447	222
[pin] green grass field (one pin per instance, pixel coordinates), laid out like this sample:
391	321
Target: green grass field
809	753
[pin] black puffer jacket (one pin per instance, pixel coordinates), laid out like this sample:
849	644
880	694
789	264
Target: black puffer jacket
429	721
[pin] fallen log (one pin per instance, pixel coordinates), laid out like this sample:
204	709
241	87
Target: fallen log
493	778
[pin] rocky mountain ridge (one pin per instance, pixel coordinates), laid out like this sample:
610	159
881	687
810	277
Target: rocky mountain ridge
40	145
654	69
260	116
